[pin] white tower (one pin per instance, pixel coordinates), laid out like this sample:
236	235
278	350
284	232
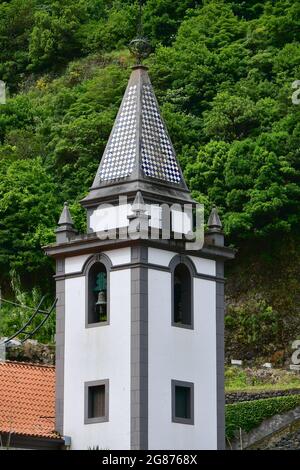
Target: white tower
140	350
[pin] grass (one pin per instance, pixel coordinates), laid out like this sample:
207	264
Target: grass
252	380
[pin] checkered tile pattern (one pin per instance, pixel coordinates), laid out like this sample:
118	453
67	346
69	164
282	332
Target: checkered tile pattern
119	158
158	157
157	154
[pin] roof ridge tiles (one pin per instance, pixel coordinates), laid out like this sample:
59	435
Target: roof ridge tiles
30	364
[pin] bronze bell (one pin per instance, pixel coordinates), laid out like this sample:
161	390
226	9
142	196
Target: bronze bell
101	298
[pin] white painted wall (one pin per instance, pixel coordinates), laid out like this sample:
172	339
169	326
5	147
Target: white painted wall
98	353
109	217
182	222
181	354
119	256
75	264
174	353
160	257
163	258
204	266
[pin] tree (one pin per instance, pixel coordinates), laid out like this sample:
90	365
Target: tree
230	118
16	21
29	210
54	37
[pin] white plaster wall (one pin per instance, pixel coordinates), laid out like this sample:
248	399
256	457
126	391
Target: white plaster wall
182	222
109	217
75	263
98	353
160	257
119	256
181	354
163	258
204	266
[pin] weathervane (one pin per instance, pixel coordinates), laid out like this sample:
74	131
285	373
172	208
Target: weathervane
140	46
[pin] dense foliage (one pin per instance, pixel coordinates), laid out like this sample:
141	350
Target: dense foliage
249	414
223	72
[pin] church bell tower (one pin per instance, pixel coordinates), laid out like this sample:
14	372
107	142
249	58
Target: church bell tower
140	315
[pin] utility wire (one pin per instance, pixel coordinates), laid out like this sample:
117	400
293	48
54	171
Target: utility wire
20	305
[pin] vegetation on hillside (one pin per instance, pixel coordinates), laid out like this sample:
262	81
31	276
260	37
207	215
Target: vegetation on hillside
258	379
247	415
222	71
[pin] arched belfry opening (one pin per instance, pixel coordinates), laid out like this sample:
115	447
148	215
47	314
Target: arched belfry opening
182	292
97	294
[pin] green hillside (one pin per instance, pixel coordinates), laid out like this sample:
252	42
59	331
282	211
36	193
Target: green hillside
223	74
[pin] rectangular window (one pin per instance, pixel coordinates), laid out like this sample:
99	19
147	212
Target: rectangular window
182	402
96	401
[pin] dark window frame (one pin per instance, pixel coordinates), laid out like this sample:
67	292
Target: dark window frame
91	262
175	262
190	386
98	419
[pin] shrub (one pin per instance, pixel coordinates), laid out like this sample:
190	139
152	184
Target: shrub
249	414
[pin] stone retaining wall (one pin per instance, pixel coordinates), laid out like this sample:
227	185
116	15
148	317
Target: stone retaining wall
268	432
235	397
31	351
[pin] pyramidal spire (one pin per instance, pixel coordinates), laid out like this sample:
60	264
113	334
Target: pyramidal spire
214	234
65	230
65	217
139	144
214	221
139	154
138	203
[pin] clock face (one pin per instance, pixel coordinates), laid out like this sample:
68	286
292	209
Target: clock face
2	92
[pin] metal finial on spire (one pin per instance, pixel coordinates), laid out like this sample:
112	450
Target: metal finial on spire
140	47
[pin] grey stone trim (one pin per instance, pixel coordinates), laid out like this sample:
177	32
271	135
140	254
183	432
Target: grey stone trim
176	419
167	269
105	260
100	419
157	267
90	243
96	258
60	348
220	312
139	349
175	261
182	259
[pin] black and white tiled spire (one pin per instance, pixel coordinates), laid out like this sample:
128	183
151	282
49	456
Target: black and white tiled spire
120	154
158	155
139	145
139	155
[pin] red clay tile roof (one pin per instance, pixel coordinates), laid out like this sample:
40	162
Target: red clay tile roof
27	403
